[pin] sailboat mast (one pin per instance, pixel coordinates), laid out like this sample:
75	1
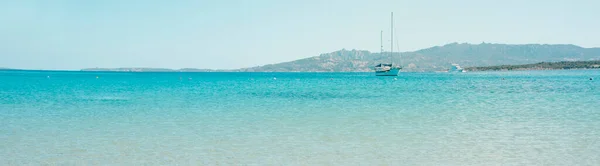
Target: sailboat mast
381	42
392	37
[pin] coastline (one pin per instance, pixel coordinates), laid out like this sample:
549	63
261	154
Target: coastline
562	65
177	71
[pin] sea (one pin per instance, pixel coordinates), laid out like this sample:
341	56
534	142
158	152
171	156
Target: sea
127	118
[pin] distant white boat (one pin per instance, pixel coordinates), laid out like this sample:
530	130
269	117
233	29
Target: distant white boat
388	69
457	69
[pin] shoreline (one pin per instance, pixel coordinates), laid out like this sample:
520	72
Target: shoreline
534	69
109	71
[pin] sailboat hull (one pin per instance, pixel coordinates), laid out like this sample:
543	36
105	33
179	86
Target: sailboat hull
391	72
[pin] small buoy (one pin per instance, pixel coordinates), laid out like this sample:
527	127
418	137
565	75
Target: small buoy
47	76
274	78
97	77
395	78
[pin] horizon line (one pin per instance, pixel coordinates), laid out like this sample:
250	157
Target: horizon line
194	68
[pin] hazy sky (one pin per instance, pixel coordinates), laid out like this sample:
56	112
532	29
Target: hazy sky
226	34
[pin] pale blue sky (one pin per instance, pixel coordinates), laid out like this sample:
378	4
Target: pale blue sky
226	34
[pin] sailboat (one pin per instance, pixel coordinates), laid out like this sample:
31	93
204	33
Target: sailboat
388	69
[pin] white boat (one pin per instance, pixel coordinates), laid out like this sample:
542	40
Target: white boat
388	69
456	68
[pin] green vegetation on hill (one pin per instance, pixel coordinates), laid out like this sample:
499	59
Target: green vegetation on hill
437	58
543	66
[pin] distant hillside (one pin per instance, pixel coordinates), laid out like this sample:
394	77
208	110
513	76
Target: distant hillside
437	58
2	68
130	69
431	59
543	66
200	70
148	70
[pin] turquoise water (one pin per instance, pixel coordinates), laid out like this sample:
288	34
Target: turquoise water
487	118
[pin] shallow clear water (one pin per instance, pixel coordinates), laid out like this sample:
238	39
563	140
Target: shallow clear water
487	118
